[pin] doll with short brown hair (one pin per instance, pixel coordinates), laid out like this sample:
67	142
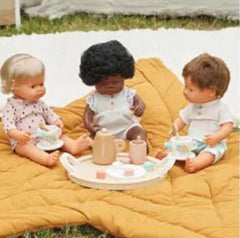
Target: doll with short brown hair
206	79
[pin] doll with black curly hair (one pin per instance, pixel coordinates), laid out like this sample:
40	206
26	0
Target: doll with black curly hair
112	105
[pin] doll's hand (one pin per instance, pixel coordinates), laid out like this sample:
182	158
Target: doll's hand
211	140
24	137
170	133
138	106
173	131
138	110
21	136
59	123
93	129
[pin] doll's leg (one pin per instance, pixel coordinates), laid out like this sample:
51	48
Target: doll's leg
136	131
202	160
74	146
35	154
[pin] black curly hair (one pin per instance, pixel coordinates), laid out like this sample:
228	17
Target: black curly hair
105	59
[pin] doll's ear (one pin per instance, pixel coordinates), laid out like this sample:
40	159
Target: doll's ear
13	85
213	92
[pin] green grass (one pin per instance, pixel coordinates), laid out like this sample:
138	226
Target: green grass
96	22
69	231
87	22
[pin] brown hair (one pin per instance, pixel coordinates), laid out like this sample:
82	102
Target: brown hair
207	71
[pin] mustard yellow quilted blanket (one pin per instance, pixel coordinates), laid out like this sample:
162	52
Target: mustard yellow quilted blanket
204	204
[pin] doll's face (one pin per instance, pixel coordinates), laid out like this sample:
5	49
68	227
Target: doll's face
194	94
110	85
31	89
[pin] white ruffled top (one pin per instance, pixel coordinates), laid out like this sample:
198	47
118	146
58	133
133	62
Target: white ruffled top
113	111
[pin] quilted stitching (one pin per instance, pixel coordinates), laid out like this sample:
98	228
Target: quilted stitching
204	204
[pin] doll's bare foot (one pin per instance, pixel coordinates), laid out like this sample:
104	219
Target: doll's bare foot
80	144
190	166
52	159
37	155
160	154
75	146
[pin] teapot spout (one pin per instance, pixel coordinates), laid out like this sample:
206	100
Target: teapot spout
90	141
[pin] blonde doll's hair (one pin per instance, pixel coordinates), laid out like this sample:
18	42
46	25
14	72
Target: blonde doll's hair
19	66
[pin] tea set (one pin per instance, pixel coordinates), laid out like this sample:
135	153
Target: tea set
108	167
106	149
48	137
181	147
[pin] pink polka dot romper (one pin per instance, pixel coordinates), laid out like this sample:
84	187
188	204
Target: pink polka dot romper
26	116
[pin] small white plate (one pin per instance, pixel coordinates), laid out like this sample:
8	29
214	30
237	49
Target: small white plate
58	145
119	173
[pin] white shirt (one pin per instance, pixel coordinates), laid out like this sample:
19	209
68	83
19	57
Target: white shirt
113	111
205	118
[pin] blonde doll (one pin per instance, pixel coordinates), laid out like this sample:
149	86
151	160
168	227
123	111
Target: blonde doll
23	75
206	80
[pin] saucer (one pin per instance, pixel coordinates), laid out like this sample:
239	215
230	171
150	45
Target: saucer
58	145
189	155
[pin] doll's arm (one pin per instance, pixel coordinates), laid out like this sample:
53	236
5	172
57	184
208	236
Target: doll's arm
9	126
88	120
179	124
21	136
49	115
59	123
223	132
138	106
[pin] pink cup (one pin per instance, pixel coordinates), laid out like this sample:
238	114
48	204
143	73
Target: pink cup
137	151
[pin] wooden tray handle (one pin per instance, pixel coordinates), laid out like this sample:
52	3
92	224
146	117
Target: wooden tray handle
68	162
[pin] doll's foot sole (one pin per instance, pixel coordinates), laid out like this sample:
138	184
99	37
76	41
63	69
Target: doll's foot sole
53	158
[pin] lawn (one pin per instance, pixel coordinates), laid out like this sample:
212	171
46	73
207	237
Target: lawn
87	22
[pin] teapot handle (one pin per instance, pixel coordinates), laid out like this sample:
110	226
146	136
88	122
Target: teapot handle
120	145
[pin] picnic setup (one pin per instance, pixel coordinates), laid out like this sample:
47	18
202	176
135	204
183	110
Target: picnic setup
119	119
177	204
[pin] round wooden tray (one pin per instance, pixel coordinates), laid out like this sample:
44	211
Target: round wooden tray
83	171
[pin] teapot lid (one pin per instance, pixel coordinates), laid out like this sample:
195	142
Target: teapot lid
104	131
